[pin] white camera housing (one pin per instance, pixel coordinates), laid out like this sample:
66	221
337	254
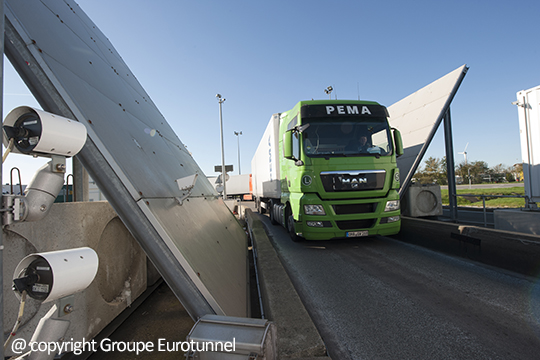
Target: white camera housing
41	133
59	273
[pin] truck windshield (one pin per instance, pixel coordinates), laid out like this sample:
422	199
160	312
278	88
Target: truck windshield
326	137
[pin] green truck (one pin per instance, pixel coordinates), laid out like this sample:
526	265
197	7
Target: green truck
327	170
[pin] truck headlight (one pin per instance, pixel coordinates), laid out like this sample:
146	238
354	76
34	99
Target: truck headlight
392	205
314	210
390	219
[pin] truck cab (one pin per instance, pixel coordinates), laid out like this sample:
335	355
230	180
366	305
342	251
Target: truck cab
338	171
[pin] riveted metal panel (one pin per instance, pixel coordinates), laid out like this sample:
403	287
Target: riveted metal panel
418	116
133	153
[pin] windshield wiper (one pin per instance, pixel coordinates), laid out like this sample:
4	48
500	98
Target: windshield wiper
328	156
377	155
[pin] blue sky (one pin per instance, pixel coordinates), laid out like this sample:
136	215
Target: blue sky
263	57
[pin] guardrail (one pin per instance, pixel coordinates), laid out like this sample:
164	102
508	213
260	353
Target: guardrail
484	196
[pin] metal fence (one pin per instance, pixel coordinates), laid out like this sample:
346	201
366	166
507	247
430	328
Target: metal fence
483	196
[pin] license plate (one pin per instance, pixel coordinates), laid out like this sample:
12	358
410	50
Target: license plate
357	233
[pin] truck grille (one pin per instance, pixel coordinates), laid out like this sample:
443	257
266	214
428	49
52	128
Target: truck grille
355	209
353	180
355	224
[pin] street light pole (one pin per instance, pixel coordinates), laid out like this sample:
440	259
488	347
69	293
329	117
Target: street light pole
223	173
238	138
328	91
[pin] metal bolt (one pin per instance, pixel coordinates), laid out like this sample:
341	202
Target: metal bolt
61	167
68	309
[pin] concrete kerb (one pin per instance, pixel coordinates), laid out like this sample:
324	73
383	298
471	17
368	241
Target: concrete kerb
508	250
298	337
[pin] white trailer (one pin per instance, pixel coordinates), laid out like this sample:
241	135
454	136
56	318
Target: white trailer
236	184
265	165
528	102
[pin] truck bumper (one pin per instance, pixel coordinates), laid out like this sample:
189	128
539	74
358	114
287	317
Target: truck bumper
351	218
310	233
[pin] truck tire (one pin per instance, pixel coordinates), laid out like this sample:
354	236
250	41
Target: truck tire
272	213
290	226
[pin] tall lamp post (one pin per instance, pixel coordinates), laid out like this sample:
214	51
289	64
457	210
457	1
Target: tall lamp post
328	91
238	138
221	101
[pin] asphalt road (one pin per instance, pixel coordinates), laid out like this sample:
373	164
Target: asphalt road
378	298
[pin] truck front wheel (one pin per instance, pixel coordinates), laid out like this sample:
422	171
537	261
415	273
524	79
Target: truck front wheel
272	213
290	226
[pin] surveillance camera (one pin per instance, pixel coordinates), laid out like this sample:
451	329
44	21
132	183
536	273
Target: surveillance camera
52	275
36	132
